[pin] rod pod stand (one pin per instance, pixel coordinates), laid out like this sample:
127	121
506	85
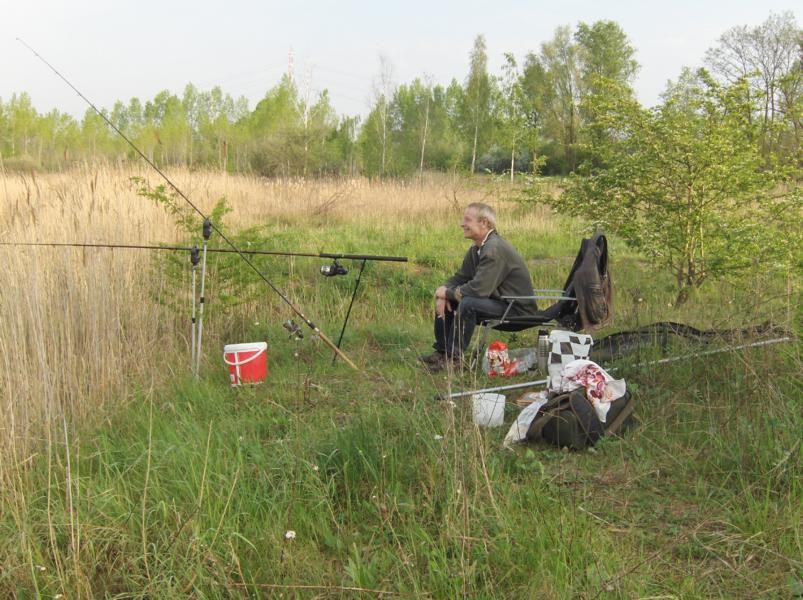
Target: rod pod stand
207	232
348	312
195	258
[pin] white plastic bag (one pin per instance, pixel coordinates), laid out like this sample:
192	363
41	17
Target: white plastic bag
500	361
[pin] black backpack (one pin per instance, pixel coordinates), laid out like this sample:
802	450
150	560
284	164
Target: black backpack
568	420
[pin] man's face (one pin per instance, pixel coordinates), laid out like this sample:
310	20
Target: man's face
474	228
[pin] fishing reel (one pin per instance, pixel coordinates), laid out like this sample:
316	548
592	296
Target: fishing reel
334	269
294	329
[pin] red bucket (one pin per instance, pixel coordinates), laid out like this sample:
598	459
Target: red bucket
248	363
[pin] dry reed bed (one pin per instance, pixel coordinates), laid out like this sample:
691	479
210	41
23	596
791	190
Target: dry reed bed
76	322
439	198
82	328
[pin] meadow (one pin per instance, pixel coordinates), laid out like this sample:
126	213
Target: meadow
121	476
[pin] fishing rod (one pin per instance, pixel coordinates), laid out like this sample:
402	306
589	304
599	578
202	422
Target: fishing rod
661	361
333	256
332	270
262	276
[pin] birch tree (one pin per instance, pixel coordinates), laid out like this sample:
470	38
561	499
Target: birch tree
515	126
477	96
769	58
383	89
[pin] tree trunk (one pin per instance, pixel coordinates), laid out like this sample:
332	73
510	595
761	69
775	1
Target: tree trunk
512	160
423	143
570	147
189	149
683	295
384	143
474	148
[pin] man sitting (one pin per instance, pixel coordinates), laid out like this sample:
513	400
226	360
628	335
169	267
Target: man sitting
491	269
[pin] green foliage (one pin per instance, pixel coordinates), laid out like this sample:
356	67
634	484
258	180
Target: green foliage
605	52
186	218
420	131
683	183
290	135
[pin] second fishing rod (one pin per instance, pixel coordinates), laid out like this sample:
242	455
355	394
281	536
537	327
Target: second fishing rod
332	269
331	255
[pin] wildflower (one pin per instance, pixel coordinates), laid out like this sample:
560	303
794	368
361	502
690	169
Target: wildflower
438	437
289	535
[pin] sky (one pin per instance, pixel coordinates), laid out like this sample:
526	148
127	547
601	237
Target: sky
116	50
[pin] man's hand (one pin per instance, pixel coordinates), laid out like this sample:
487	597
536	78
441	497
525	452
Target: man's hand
440	307
441	303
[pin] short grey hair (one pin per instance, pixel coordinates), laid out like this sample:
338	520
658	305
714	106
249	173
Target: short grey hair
484	212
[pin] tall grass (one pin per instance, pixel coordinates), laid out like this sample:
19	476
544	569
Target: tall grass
124	478
80	324
75	322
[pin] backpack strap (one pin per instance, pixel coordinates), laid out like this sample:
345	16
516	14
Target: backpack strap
547	412
586	416
620	418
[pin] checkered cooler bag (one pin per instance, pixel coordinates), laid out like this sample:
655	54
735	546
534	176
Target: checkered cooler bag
566	346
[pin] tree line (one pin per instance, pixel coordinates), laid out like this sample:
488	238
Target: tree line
538	115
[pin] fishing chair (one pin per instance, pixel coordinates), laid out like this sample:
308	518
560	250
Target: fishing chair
584	303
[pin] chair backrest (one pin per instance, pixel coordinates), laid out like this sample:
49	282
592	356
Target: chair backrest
586	302
590	283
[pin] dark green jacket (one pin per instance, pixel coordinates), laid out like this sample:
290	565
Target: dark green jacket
491	271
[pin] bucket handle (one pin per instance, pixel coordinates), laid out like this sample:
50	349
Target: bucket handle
242	362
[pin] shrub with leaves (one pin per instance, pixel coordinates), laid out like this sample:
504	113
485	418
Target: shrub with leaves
684	182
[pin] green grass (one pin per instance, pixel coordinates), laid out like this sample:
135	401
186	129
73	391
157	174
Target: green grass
190	490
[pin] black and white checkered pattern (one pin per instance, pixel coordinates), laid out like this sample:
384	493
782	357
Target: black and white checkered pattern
566	347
